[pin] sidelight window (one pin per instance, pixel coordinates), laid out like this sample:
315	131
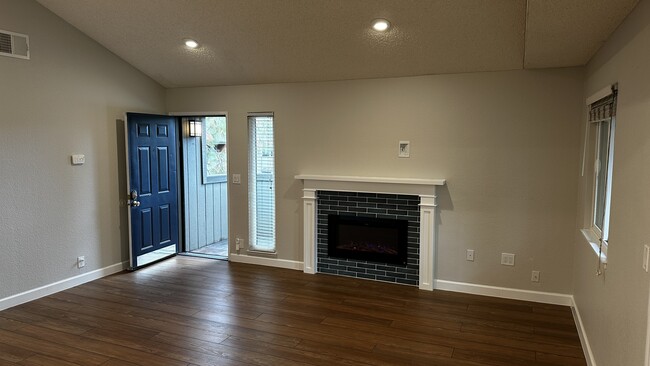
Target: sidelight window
261	182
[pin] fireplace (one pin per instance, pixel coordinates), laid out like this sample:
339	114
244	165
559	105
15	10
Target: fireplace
367	239
376	224
371	196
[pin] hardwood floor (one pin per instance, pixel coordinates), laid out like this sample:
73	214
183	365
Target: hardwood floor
193	311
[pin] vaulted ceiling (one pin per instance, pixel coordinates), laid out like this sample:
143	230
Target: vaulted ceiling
271	41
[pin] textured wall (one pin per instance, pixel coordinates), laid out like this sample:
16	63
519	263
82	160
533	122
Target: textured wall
614	307
507	143
65	100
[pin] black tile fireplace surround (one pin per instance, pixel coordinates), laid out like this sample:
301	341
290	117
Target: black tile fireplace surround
403	208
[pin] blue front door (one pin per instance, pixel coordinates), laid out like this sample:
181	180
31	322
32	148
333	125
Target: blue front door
153	191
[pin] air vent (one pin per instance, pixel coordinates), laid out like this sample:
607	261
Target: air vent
14	44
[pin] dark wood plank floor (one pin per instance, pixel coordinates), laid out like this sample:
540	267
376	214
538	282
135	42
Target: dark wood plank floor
192	311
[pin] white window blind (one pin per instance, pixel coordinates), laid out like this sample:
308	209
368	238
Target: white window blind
261	183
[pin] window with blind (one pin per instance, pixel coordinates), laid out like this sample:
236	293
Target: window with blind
261	182
599	156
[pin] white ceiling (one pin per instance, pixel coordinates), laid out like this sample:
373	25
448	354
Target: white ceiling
270	41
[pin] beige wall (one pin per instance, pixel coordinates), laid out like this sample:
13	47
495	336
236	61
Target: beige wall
614	307
507	143
65	100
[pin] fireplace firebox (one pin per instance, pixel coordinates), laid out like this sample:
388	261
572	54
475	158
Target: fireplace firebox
368	238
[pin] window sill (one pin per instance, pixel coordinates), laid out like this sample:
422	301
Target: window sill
594	242
215	179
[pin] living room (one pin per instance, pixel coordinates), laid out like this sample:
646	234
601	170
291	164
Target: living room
509	142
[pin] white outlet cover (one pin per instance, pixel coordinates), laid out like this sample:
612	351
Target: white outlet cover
470	255
535	276
78	159
507	259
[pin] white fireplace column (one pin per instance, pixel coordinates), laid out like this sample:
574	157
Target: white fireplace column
427	241
310	212
424	188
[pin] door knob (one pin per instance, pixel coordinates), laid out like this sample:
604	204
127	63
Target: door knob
133	199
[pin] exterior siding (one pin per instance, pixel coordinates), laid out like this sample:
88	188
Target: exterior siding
206	205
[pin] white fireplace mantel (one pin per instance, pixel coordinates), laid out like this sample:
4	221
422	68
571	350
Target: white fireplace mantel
424	188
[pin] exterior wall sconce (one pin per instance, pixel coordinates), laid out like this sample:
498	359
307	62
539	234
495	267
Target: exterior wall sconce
195	128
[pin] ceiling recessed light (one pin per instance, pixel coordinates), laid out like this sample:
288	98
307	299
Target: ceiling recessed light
191	43
380	25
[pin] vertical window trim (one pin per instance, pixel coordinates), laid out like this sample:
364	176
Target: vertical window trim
252	186
608	179
602	232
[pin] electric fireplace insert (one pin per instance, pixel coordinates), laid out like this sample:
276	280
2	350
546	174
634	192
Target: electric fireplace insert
367	238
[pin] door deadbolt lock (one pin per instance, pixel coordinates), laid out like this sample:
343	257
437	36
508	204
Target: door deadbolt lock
133	199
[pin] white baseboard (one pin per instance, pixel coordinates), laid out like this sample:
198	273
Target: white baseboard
264	261
504	292
586	348
64	284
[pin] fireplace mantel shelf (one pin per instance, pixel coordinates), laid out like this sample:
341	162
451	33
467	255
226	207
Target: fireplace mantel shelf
337	178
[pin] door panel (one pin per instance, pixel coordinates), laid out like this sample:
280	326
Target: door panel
154	224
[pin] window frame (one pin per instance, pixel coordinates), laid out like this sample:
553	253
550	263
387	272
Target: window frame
602	232
252	186
211	179
598	237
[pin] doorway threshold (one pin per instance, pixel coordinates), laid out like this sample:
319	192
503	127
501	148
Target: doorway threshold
208	256
218	250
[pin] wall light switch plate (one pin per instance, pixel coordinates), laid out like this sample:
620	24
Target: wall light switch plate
646	257
236	179
78	159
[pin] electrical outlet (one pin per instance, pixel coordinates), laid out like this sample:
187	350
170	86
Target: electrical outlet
81	262
236	179
507	259
535	276
78	159
470	255
239	243
646	257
